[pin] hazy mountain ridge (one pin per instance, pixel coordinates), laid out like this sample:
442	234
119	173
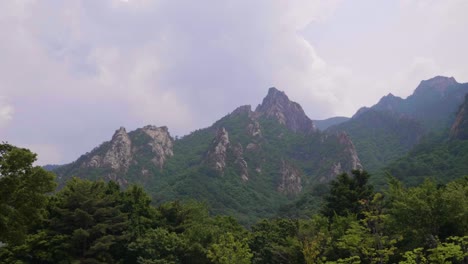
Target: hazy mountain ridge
393	126
326	123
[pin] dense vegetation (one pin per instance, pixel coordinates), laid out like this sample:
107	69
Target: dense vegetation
437	157
97	222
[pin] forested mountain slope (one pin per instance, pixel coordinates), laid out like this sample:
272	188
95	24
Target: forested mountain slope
442	157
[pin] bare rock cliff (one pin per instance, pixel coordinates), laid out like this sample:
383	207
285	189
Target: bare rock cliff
161	144
218	152
290	182
118	156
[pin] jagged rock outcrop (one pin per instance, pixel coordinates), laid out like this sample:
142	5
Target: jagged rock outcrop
459	128
218	151
254	129
349	159
161	144
240	162
118	156
290	182
115	157
350	151
290	114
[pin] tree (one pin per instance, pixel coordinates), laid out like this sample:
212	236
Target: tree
23	192
229	250
89	215
346	194
276	241
367	238
158	246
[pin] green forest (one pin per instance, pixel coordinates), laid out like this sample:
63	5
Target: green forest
98	222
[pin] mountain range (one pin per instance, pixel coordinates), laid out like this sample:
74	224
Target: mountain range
248	163
252	163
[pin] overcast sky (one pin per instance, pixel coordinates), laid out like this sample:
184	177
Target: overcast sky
72	72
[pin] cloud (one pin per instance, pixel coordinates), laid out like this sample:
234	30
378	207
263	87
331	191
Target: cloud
6	112
92	66
77	70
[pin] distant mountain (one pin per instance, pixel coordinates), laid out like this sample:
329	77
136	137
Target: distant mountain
381	137
247	164
393	126
326	123
442	157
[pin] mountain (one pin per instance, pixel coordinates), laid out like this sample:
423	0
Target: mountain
442	157
326	123
247	164
392	127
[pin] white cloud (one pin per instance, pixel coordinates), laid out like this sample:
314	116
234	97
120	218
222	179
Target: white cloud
6	112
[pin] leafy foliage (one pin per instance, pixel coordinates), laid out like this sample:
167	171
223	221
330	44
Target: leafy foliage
23	192
436	158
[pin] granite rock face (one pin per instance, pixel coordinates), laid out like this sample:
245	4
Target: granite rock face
240	162
161	144
291	180
116	156
353	162
218	151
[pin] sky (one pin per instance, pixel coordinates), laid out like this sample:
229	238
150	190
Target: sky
72	72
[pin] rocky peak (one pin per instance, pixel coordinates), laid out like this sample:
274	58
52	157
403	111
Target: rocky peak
347	162
121	151
438	84
218	152
460	126
119	154
278	106
161	144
